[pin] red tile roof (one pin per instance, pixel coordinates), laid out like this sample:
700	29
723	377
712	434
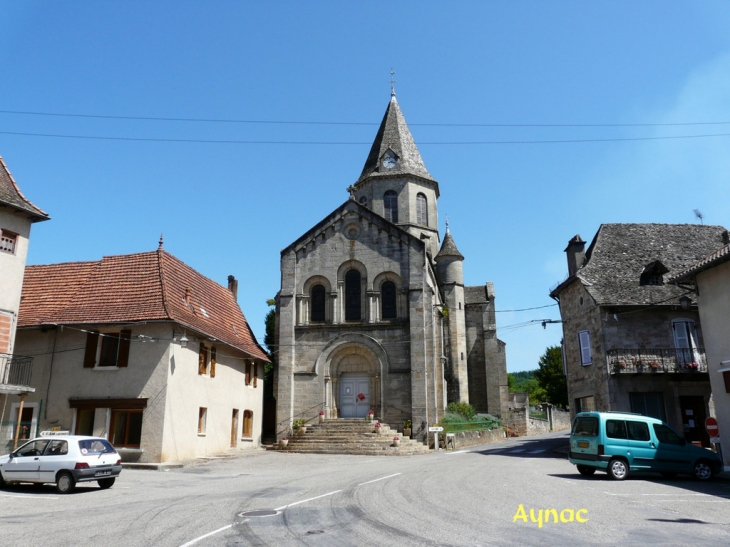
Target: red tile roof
11	195
131	288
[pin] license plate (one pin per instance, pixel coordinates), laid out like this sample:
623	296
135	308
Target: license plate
583	445
102	473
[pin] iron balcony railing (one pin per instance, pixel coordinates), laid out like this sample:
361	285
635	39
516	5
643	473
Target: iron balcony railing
15	370
637	360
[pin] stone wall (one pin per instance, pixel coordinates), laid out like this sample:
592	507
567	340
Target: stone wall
561	420
517	420
474	438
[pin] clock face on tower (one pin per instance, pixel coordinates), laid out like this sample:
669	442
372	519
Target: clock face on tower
389	162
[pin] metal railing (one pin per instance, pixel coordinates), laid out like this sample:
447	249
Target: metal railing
638	360
15	370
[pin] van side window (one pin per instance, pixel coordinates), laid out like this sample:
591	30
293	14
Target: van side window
638	431
666	435
615	429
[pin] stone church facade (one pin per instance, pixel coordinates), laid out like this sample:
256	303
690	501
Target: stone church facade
373	312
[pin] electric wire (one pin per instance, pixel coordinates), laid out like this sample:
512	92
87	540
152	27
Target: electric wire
304	122
352	143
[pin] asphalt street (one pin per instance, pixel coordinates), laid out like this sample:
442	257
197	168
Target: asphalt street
508	493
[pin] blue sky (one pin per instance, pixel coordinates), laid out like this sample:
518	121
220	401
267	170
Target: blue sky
229	208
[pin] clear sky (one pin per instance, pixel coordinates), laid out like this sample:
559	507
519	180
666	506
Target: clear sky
478	82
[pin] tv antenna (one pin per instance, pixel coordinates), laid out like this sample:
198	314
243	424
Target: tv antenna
699	215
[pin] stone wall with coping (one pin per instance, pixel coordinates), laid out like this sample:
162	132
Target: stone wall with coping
473	438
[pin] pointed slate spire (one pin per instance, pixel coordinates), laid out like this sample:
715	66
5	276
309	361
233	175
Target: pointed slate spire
395	136
448	248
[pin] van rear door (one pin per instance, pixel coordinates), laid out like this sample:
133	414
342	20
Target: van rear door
584	437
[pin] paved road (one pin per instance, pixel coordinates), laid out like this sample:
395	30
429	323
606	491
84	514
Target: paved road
467	497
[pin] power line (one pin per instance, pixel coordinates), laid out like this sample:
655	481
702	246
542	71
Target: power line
302	122
335	143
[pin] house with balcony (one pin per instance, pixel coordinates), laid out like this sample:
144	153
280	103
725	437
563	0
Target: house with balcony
17	215
143	350
632	341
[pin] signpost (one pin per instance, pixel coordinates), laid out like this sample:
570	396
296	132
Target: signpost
435	429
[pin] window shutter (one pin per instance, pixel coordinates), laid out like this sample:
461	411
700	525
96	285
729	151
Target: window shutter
92	341
255	374
248	374
681	339
212	362
125	338
584	339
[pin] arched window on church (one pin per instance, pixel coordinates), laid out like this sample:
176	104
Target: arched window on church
388	300
353	293
317	303
390	205
421	210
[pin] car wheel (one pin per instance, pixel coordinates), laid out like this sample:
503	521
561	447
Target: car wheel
618	469
703	470
106	483
585	470
668	474
65	482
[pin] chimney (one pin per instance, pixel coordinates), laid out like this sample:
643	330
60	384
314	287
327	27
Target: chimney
233	287
188	293
576	254
725	237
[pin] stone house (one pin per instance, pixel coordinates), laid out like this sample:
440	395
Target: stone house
632	341
373	312
145	351
17	214
709	278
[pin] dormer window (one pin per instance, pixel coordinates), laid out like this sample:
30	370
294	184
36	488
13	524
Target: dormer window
653	274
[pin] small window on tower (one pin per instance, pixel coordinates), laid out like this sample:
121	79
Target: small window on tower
8	241
390	206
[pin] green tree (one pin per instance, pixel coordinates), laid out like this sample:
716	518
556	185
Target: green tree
550	377
269	337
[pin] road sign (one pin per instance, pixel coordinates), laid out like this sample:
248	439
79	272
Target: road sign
435	429
711	427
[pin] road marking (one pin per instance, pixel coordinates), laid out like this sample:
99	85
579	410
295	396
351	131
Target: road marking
29	497
196	540
380	479
304	501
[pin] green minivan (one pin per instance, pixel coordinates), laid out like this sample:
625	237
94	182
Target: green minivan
619	443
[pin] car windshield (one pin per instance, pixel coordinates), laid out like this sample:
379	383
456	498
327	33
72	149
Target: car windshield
585	426
96	446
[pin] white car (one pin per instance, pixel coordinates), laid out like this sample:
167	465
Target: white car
63	460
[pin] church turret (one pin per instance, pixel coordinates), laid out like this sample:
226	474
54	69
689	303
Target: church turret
449	267
450	262
395	182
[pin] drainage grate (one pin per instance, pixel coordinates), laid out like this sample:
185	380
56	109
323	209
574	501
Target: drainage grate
260	513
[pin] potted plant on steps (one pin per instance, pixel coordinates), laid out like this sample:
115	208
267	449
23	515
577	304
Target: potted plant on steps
396	441
284	442
321	416
299	426
407	428
370	416
378	428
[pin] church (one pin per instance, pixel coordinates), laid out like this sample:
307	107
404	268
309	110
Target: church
373	313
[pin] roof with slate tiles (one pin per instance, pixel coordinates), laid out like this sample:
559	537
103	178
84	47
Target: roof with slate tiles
476	295
131	288
394	134
619	253
711	260
448	247
11	195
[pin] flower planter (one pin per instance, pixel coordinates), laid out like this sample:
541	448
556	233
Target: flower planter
396	442
321	417
407	432
284	442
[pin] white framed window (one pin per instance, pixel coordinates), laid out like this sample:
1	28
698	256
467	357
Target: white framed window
584	342
685	341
